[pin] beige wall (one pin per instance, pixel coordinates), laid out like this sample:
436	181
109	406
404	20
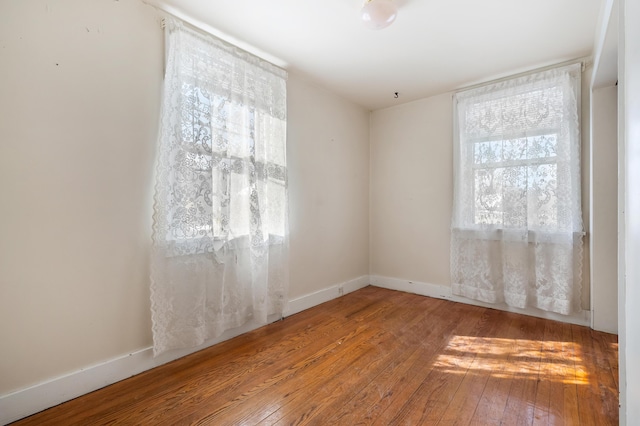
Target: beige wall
328	159
603	227
79	96
79	100
412	190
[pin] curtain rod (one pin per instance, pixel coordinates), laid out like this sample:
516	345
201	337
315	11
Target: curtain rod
208	29
584	63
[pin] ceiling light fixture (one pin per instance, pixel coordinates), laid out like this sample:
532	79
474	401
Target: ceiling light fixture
378	14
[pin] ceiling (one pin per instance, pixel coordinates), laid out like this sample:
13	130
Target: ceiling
434	46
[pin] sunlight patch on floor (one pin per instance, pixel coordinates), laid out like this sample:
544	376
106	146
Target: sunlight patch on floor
522	359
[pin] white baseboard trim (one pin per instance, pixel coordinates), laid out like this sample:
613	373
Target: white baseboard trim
314	299
34	399
31	400
444	292
39	397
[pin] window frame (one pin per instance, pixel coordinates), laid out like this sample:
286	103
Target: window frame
567	80
505	164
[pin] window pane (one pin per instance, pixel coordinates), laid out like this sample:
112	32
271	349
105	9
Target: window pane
233	128
515	181
488	196
196	119
515	149
487	152
543	182
239	205
543	146
515	196
501	196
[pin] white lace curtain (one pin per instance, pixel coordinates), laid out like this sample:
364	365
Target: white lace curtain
220	231
517	221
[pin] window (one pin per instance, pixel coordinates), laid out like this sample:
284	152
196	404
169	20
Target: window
519	155
508	173
517	220
220	245
225	160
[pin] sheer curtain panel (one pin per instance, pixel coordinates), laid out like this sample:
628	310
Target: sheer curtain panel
517	222
220	231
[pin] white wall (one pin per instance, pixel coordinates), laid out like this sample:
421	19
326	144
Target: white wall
79	95
629	284
412	195
585	172
328	158
412	190
79	99
604	195
80	85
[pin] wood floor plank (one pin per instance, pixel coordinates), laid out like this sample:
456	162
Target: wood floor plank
571	381
298	406
488	348
496	392
374	398
351	337
374	356
398	342
549	403
544	391
611	350
605	387
585	406
395	401
592	398
607	375
429	401
522	393
234	359
259	392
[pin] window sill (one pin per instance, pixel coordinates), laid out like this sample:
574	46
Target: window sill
523	235
207	245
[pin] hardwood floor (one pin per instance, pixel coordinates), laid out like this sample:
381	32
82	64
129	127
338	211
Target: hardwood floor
378	357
